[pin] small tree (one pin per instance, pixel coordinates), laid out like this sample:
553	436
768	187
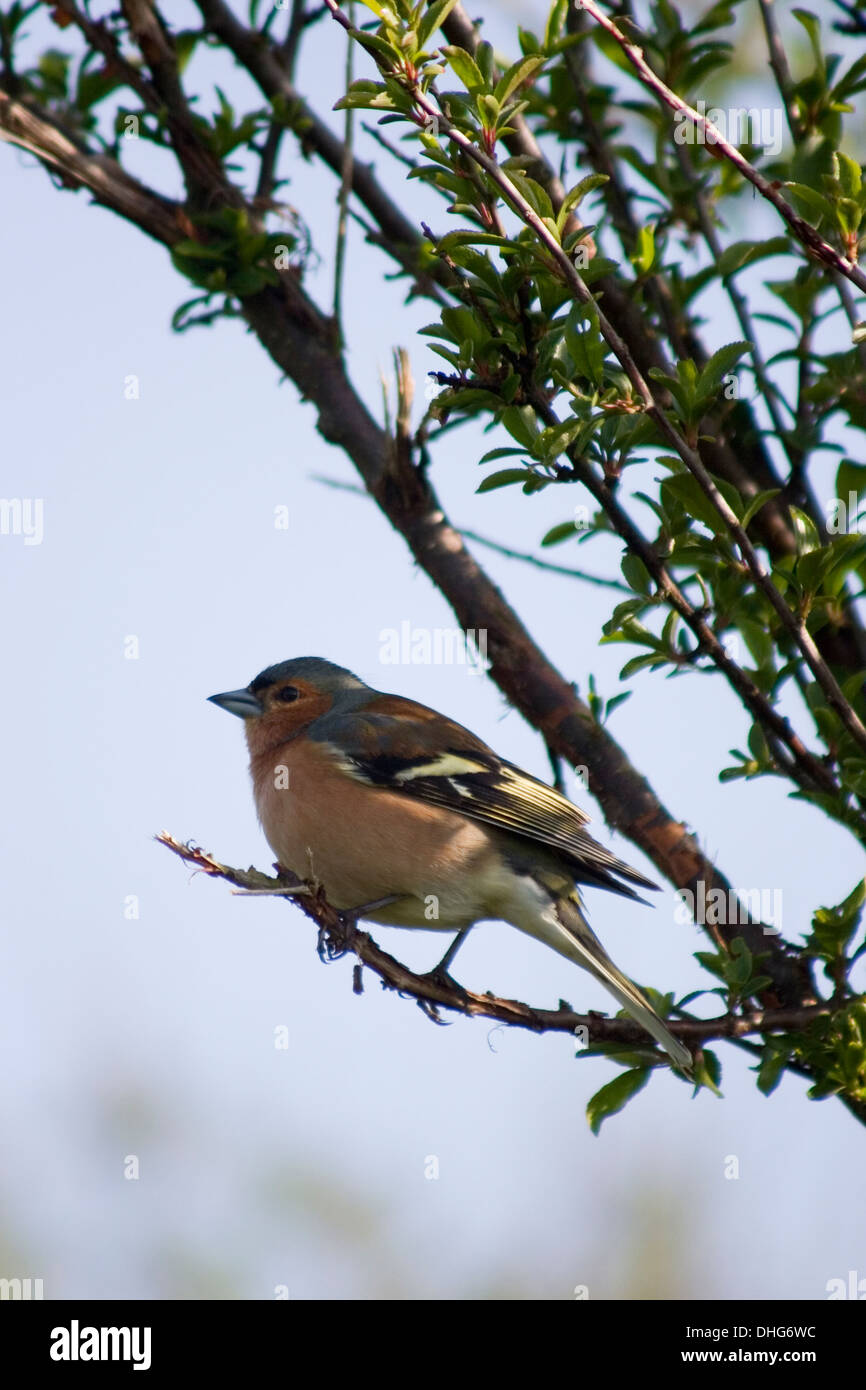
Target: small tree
567	319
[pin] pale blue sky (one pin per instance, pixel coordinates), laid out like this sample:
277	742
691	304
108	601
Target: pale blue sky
154	1037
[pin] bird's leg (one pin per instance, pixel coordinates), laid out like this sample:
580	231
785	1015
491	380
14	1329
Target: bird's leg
439	973
351	915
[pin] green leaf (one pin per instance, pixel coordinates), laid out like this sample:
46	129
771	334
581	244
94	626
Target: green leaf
639	663
374	44
644	254
366	96
184	46
833	927
554	440
575	196
452	239
623	626
686	489
488	110
537	197
615	1095
708	1071
714	961
246	281
565	530
432	19
528	41
503	478
744	769
681	387
464	68
759	641
759	749
812	25
486	60
586	348
93	87
181	314
616	700
637	576
813	201
54	70
520	421
199	250
719	365
807	532
555	21
850	477
499	454
743	253
518	73
757	503
774	1059
849	175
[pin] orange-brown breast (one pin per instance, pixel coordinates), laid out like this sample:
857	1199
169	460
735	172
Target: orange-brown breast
364	843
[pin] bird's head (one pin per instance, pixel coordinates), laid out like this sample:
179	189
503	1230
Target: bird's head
286	698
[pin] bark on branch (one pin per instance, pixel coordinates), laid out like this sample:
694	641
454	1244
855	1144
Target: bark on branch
77	167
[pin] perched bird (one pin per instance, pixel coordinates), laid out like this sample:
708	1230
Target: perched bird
408	819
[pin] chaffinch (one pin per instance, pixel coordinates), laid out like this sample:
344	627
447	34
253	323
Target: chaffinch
408	819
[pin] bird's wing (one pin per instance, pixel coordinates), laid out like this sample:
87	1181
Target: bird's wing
410	749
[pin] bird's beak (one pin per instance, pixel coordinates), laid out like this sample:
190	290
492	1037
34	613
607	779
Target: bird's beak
239	702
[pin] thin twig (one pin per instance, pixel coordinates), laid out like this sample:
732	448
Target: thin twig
201	168
524	555
549	565
345	185
288	53
102	40
779	63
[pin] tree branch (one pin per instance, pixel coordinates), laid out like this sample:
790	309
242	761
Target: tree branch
106	179
339	935
102	40
200	166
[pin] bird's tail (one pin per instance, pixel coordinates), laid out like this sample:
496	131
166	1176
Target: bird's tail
579	942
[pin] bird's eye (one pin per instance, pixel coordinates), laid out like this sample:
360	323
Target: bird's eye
288	694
